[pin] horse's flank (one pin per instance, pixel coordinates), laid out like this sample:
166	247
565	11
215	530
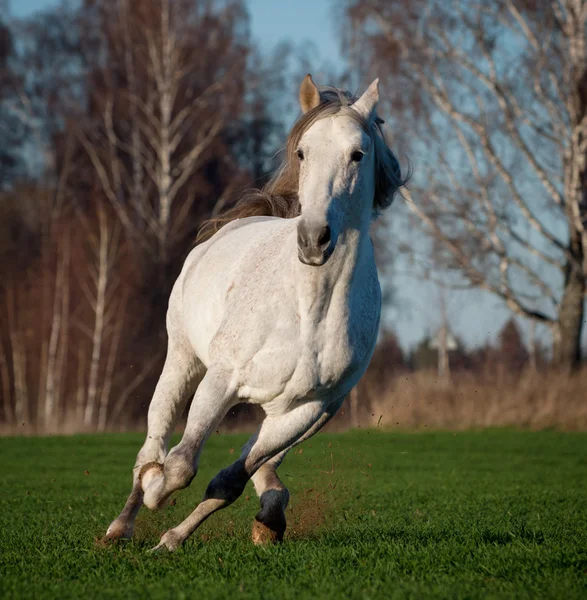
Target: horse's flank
279	197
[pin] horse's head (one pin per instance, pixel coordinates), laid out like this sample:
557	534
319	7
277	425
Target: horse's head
346	171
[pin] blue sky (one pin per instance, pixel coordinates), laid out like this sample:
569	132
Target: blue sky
272	21
474	316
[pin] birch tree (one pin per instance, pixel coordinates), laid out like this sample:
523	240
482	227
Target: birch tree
490	100
103	292
154	133
56	347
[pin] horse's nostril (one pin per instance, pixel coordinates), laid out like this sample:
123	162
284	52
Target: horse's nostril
324	238
302	239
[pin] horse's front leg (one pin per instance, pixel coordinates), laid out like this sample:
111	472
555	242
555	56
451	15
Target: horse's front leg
276	434
178	380
270	522
213	399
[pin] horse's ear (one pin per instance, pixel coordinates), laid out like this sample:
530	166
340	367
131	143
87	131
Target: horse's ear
367	103
309	94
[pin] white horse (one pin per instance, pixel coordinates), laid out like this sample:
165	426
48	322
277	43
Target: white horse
281	312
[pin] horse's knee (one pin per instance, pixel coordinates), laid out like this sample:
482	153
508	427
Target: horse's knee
177	472
179	468
153	450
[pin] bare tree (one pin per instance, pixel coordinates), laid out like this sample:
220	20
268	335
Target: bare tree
154	133
490	99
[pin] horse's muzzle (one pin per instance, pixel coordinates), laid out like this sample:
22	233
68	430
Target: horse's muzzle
315	244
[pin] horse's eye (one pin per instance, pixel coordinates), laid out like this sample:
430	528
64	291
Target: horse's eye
357	156
300	154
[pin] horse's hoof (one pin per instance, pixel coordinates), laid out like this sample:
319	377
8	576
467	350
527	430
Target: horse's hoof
170	542
262	534
118	530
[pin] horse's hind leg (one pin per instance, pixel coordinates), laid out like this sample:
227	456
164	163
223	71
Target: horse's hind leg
270	523
178	380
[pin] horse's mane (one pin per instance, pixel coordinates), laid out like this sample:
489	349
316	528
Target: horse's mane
279	197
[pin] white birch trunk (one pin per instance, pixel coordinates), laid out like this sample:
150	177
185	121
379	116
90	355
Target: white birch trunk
99	310
109	372
55	332
63	346
164	85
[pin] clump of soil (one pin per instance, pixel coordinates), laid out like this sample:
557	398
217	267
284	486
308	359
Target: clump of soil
313	506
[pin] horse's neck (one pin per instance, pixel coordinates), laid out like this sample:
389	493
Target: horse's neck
325	291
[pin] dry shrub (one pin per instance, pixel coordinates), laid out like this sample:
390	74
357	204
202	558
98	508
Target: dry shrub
534	400
495	398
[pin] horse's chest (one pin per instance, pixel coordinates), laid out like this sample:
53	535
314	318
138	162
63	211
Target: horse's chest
314	363
323	365
300	348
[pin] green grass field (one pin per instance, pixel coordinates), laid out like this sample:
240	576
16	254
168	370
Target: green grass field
372	515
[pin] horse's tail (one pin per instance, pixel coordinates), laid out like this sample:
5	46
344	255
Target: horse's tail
253	203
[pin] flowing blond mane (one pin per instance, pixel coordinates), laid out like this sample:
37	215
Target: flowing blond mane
279	197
